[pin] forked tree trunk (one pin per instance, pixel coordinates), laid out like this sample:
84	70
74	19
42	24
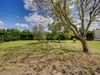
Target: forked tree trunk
85	46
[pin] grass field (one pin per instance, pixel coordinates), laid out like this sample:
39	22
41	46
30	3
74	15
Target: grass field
29	55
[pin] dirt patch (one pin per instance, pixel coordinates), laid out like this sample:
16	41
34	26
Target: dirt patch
49	60
82	64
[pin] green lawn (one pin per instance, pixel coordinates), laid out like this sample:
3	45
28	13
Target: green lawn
18	53
93	45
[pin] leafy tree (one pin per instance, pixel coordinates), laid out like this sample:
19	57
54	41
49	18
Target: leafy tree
86	11
55	30
10	34
26	35
15	34
39	33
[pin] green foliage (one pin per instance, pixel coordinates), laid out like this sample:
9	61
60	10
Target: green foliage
10	34
90	34
66	34
39	33
26	35
59	29
74	40
49	36
15	34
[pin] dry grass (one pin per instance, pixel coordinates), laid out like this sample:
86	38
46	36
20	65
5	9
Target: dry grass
29	57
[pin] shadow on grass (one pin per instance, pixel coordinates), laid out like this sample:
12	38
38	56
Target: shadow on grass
68	51
32	43
62	41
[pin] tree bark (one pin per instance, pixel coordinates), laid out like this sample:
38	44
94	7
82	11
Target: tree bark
48	41
59	39
85	46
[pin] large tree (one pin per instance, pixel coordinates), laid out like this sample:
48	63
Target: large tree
85	11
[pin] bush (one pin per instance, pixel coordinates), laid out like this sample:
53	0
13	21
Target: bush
15	34
26	35
74	40
11	34
90	35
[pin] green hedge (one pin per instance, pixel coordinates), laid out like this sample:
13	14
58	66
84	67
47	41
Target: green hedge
15	34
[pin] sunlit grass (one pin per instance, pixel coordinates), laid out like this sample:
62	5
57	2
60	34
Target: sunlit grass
31	48
19	52
16	44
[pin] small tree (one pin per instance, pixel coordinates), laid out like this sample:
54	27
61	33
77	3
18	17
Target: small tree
39	33
56	29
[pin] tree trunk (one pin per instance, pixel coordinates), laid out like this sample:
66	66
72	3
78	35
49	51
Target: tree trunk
59	39
85	46
48	41
39	41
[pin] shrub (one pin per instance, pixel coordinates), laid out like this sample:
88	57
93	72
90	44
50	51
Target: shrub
90	35
26	35
74	40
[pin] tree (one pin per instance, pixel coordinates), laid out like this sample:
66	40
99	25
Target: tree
68	33
26	35
58	26
10	34
84	10
15	34
39	33
56	29
52	27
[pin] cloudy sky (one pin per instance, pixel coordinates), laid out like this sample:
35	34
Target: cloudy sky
14	14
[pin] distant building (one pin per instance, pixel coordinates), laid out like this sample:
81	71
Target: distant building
97	34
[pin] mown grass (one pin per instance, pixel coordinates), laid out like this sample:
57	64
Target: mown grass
22	51
16	44
13	48
8	49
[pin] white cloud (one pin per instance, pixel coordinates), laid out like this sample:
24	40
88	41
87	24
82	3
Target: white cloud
36	19
22	25
95	24
17	24
71	6
1	23
17	17
30	4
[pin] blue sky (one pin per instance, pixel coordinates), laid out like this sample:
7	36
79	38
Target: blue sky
12	12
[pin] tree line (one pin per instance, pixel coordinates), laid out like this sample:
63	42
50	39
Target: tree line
38	33
15	34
